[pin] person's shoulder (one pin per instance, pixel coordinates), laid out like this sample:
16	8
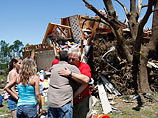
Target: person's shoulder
73	68
35	78
12	73
55	60
84	64
58	65
70	65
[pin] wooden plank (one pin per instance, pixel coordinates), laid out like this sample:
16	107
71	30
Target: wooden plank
52	27
51	45
101	30
81	46
61	31
109	86
86	23
33	54
153	64
82	50
49	30
36	50
61	25
55	50
95	26
65	21
104	100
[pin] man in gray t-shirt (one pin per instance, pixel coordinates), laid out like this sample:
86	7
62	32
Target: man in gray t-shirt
60	92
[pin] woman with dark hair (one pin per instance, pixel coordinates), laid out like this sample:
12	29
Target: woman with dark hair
28	87
14	66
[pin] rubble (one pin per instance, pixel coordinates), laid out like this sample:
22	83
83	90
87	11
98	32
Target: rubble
97	43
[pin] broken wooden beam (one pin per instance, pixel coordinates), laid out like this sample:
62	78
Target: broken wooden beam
104	100
51	28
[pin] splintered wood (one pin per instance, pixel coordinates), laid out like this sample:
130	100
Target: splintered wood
104	100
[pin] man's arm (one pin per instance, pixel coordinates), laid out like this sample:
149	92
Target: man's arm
83	79
79	90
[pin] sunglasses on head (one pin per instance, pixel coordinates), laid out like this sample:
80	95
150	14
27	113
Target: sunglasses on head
73	59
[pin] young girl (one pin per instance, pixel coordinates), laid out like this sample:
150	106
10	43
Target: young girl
14	66
28	88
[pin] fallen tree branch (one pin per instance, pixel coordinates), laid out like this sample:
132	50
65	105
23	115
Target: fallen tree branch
97	20
109	19
144	5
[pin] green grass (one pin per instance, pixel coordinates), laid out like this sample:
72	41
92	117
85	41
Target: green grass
148	110
145	112
4	77
5	110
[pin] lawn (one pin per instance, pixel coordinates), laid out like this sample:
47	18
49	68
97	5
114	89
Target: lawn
124	106
4	110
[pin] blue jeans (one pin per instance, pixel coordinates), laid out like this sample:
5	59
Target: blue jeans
1	100
11	104
27	111
62	112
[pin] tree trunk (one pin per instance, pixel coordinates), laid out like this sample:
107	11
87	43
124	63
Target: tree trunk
150	48
112	20
121	46
136	59
136	29
143	84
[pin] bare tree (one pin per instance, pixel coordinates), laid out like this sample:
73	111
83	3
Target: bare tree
136	27
150	48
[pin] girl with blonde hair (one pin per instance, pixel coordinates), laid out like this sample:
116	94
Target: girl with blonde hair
28	87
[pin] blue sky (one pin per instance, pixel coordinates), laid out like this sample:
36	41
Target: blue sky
27	20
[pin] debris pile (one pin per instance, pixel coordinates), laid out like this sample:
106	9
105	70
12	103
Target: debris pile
97	43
